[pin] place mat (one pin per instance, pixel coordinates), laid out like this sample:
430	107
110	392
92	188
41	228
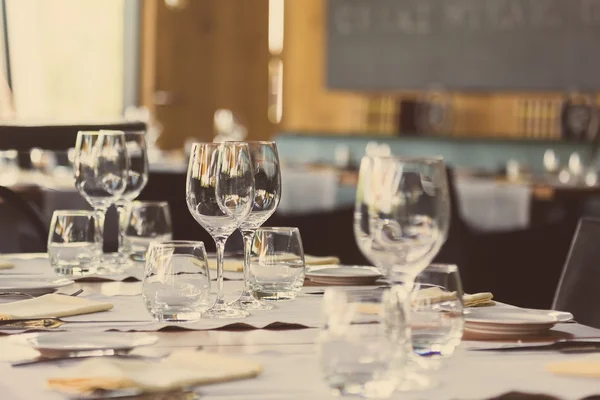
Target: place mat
181	369
130	315
51	305
39	265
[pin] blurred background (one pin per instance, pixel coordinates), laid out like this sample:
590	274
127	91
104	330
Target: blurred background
506	92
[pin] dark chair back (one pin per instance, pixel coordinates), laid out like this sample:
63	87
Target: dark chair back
23	229
578	290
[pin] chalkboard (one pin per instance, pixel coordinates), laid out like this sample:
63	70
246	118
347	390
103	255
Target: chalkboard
467	45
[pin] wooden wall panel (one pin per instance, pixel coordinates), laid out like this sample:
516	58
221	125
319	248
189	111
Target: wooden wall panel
211	54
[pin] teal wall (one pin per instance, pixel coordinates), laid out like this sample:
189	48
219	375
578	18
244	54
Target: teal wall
459	152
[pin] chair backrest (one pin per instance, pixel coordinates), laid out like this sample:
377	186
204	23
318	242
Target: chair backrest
22	229
578	290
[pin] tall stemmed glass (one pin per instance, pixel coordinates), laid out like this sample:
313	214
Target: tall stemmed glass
220	196
401	220
101	166
267	192
137	178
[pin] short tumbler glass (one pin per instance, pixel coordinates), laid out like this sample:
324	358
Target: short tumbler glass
176	284
361	349
276	264
144	223
437	320
72	241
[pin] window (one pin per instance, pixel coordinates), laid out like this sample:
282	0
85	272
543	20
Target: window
69	59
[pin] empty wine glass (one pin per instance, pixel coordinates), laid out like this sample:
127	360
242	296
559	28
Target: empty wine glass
220	196
401	220
101	166
137	178
267	192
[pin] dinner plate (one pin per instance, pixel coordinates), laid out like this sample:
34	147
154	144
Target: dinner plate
90	341
512	322
33	286
343	275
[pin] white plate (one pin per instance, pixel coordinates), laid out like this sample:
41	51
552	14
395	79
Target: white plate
512	322
89	341
34	286
515	316
343	275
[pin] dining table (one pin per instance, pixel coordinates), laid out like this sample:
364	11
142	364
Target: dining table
283	340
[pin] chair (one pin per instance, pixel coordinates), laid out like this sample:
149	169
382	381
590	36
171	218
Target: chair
578	290
23	229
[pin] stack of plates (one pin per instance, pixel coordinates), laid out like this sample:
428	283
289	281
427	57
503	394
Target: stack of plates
346	275
512	322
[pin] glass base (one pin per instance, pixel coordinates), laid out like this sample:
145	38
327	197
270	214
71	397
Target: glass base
247	302
223	311
414	381
181	317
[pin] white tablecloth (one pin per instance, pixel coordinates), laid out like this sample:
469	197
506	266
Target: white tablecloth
291	364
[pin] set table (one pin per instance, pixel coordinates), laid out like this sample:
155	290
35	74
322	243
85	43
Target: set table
286	349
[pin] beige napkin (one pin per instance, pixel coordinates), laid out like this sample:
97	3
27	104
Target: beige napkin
436	295
585	367
237	265
51	305
5	264
181	369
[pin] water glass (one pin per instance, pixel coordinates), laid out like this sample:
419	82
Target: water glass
361	348
176	283
437	320
276	264
145	222
72	241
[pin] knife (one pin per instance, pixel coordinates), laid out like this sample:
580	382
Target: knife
584	345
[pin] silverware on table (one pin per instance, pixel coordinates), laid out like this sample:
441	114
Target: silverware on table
583	345
53	323
82	356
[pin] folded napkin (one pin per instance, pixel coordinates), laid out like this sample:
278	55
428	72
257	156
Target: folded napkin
586	367
181	369
51	305
438	295
5	264
237	265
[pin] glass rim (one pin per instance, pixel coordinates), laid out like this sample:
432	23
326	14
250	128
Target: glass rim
278	229
438	267
423	160
150	203
80	213
81	133
177	243
250	141
215	144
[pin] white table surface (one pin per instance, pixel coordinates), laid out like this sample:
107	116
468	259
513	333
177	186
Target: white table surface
291	367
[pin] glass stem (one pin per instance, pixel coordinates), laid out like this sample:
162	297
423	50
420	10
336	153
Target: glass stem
121	210
100	213
248	235
220	244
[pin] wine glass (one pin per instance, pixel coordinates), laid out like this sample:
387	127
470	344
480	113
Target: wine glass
100	166
401	220
267	192
220	196
137	178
